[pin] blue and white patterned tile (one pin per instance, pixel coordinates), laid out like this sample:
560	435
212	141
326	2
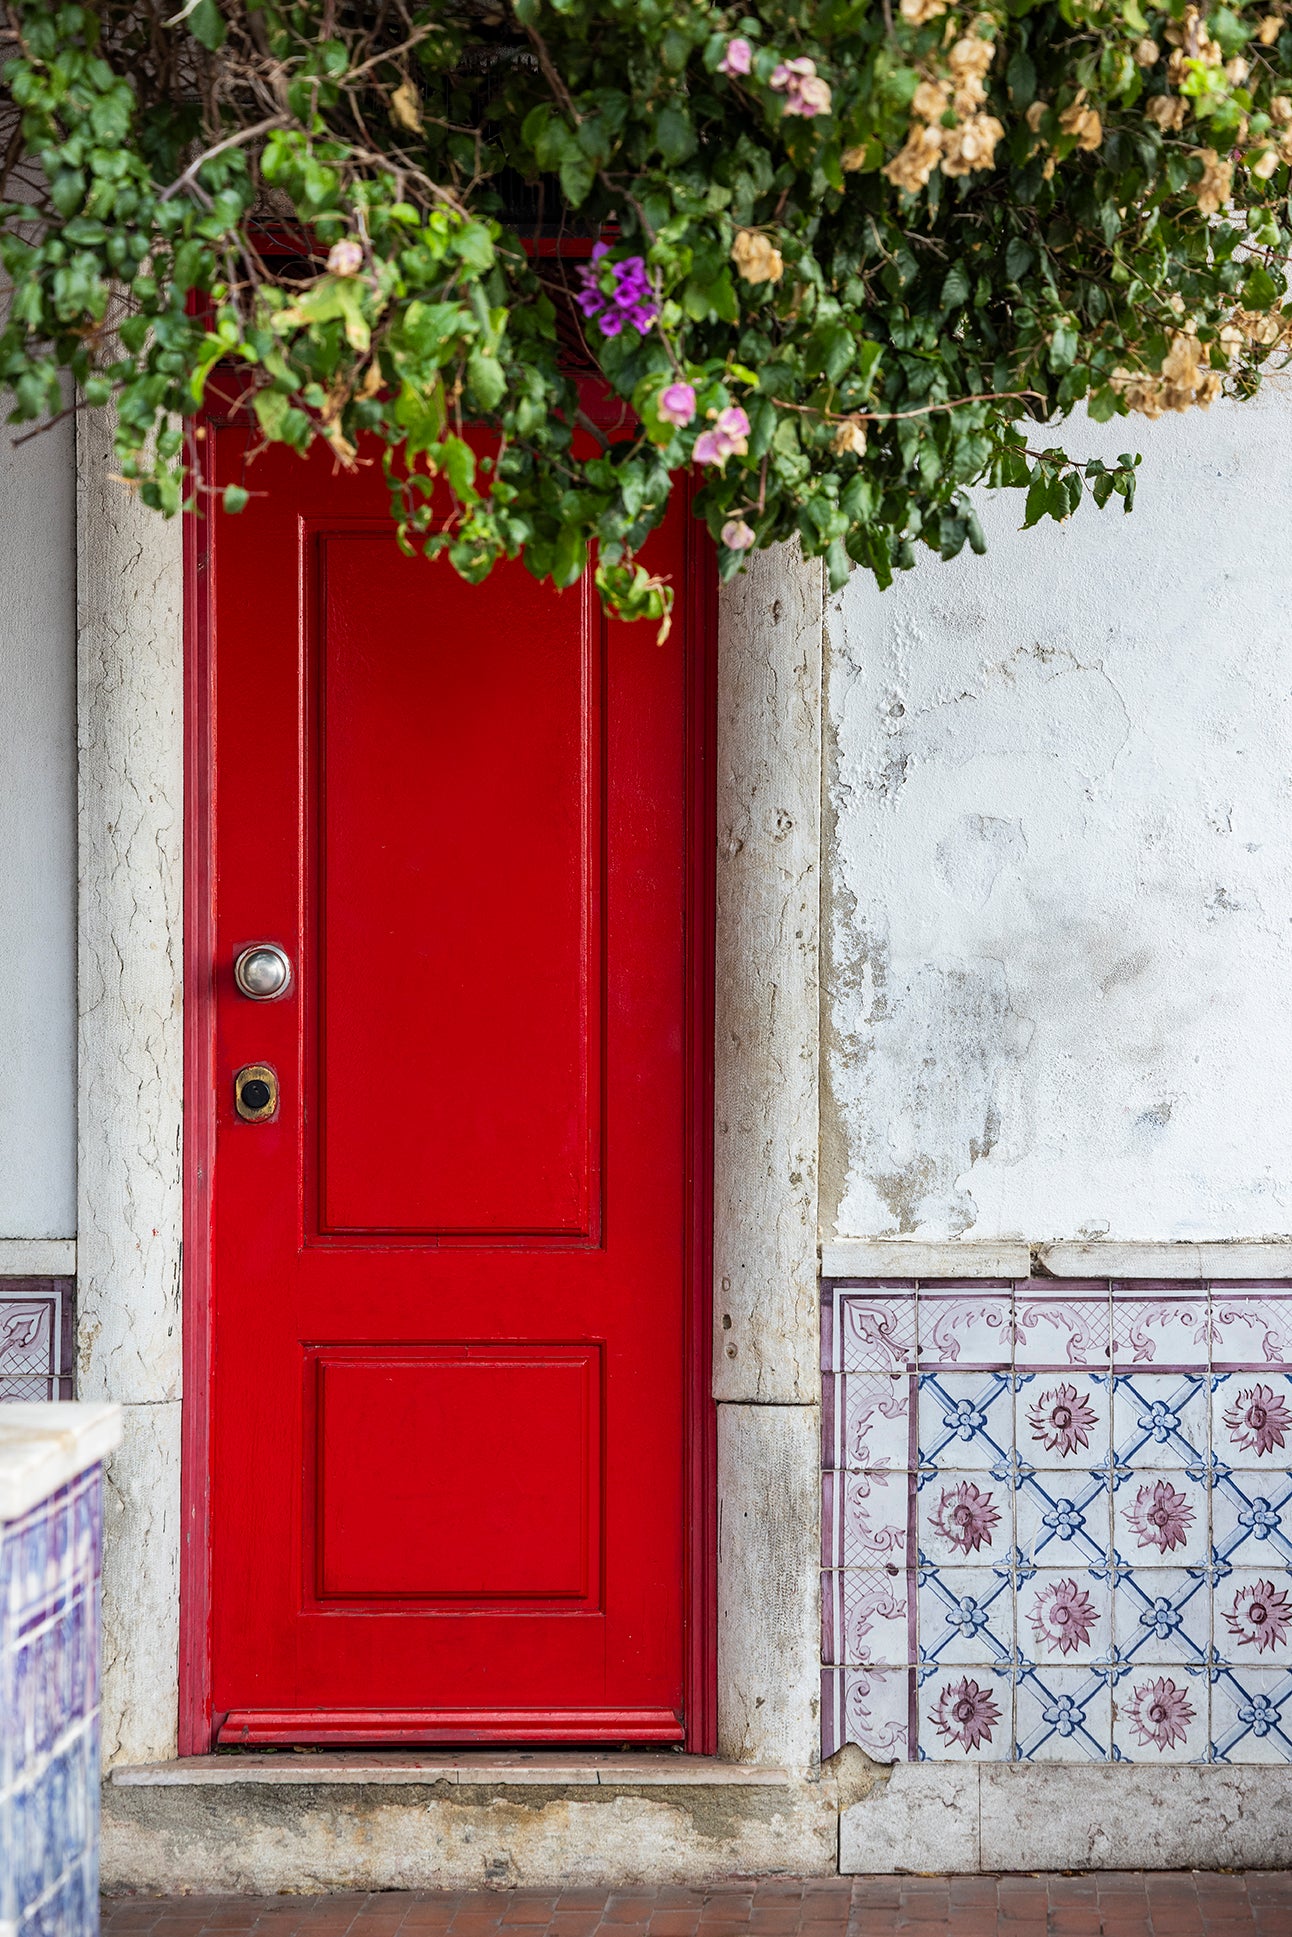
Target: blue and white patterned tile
1164	1326
866	1422
1251	1620
1062	1421
866	1617
965	1714
864	1519
1251	1326
1251	1715
966	1421
1161	1715
1160	1419
1065	1617
1062	1715
874	1330
1062	1328
966	1326
1160	1517
1063	1519
1251	1519
868	1706
965	1614
1162	1615
964	1519
1251	1420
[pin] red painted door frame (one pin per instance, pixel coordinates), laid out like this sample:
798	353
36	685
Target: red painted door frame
698	596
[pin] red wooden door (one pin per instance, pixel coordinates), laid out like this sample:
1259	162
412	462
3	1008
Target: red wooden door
453	1410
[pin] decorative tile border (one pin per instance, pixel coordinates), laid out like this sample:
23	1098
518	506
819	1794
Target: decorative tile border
1057	1521
35	1338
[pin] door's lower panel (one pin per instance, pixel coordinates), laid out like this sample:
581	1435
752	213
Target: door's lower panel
359	1727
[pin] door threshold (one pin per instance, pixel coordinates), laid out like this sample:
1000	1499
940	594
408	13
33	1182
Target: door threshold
492	1767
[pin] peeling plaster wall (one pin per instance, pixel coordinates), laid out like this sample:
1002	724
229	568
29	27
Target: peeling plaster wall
1059	864
38	844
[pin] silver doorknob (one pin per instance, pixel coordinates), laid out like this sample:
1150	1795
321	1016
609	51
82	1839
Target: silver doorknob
262	972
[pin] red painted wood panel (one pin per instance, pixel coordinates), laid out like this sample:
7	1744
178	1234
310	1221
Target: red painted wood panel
457	1445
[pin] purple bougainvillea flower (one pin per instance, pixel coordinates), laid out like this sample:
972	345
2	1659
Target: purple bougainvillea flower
611	322
676	404
738	59
736	535
804	90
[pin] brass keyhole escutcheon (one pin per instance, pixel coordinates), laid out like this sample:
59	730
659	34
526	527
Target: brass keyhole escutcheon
255	1093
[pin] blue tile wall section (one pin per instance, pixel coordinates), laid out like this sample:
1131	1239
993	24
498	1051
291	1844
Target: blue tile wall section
1057	1521
49	1715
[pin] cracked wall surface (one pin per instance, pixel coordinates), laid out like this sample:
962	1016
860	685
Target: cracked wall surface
1060	864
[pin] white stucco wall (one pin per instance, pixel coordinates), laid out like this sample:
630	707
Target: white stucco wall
38	839
1060	864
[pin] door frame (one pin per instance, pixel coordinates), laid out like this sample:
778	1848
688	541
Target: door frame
698	603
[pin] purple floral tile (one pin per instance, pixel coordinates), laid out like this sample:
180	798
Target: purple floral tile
864	1519
1065	1616
1251	1519
1062	1419
1162	1614
1160	1419
866	1617
964	1614
866	1422
963	1327
1161	1715
874	1331
1063	1715
1160	1517
966	1420
1251	1715
1251	1326
1252	1618
1061	1329
1251	1420
1160	1327
966	1715
1062	1519
964	1519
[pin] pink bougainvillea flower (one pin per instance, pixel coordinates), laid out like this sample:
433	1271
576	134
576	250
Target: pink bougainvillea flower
965	1713
1063	1614
804	90
345	258
1061	1420
1258	1420
1160	1713
736	535
676	403
738	59
965	1517
729	437
1161	1516
1260	1617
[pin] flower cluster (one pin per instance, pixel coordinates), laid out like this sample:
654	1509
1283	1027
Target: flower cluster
804	90
1185	378
629	299
971	142
728	437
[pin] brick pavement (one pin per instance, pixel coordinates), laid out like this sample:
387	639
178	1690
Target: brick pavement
1255	1903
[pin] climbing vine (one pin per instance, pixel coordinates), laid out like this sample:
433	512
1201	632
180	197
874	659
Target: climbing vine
842	259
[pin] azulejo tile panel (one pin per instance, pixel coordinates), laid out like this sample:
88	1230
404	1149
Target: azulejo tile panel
49	1714
1057	1521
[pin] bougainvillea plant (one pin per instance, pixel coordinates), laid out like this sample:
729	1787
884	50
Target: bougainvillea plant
841	259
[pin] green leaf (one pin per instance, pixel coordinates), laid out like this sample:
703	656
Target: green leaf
235	497
485	379
674	135
205	22
577	175
955	286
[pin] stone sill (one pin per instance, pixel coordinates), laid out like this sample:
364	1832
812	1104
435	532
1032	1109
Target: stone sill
499	1769
1008	1258
47	1444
